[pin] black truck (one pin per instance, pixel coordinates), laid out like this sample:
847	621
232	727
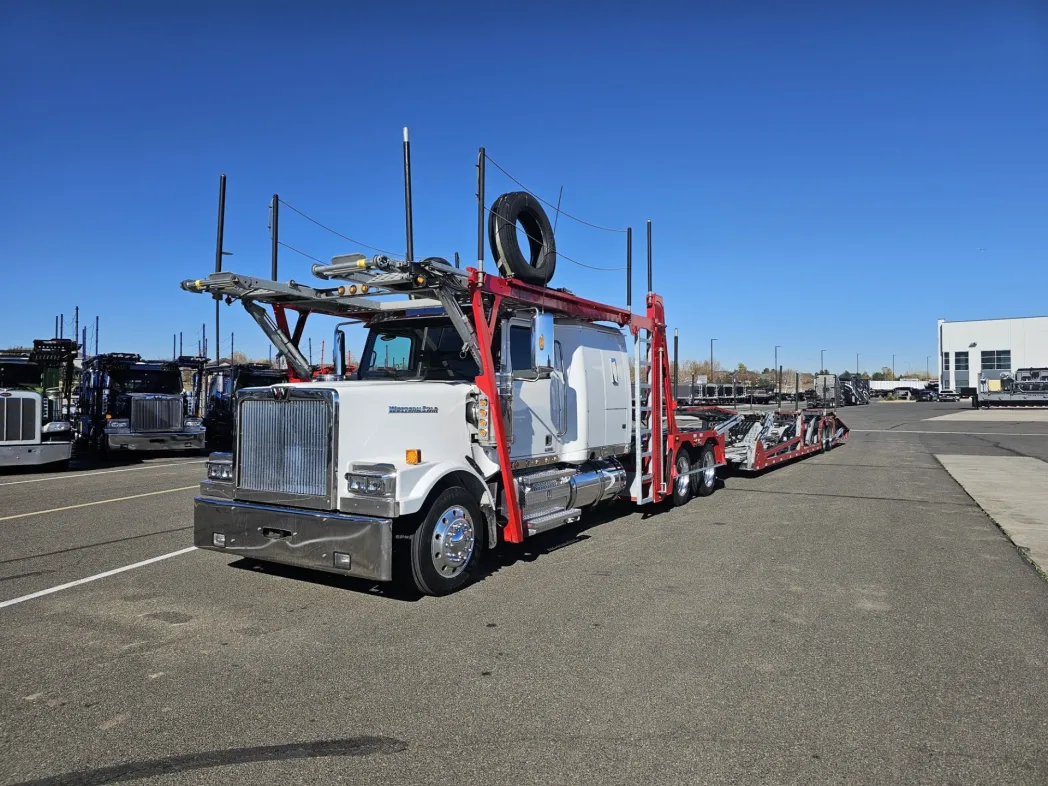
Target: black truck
131	404
221	384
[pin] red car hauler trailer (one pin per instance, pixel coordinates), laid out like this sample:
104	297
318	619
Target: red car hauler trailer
485	409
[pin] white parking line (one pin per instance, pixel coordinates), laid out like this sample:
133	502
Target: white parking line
102	472
955	433
99	502
96	577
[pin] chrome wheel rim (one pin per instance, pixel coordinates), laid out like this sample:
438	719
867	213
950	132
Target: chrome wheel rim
709	471
454	539
683	479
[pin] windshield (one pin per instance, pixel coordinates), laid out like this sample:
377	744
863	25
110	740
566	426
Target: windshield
20	375
417	350
259	379
145	381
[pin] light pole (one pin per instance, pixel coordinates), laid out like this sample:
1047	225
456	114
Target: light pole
928	365
778	382
711	358
893	368
822	361
856	364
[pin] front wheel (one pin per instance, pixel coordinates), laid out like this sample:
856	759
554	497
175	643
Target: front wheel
703	483
446	547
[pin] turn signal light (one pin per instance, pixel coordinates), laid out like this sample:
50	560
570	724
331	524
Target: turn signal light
413	456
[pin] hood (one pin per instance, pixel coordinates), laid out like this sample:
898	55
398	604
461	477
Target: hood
381	419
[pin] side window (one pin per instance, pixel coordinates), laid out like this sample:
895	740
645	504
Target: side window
520	348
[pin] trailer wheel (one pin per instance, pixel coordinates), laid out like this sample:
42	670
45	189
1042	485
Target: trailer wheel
682	483
703	483
446	546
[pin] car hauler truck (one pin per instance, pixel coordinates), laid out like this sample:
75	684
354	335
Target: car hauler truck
33	428
221	383
1027	387
131	404
486	409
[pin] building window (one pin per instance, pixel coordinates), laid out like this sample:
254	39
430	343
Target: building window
960	361
997	360
945	361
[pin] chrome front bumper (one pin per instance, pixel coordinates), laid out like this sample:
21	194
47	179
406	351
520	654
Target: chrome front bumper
35	455
292	536
192	440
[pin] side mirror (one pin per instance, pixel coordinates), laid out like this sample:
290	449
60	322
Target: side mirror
542	343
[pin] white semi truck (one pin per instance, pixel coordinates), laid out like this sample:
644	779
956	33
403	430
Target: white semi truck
33	431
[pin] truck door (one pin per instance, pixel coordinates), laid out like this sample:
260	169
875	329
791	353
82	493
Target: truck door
534	429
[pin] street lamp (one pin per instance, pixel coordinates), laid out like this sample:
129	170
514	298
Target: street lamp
711	358
822	361
928	365
856	364
893	367
778	381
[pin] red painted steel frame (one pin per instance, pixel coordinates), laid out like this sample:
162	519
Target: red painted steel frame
762	459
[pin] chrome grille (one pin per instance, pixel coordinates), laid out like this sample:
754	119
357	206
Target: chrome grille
285	447
17	419
156	413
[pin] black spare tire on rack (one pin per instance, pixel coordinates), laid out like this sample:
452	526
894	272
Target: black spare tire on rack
537	266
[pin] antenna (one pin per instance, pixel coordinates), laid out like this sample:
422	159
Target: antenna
407	198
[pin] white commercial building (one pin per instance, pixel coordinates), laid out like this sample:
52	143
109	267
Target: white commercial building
990	347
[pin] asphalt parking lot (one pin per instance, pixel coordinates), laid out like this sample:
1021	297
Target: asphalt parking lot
851	618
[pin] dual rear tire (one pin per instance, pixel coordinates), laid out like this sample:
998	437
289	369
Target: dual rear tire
698	484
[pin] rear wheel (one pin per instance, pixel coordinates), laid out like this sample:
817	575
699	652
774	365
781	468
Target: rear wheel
703	483
682	483
446	546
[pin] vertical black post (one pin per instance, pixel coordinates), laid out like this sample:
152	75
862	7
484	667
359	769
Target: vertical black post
218	257
311	351
96	335
676	379
274	231
61	325
203	335
649	262
481	158
797	390
231	335
56	326
629	268
780	387
410	254
174	346
83	344
180	342
457	265
76	323
271	355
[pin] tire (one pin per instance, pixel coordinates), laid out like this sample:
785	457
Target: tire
682	483
453	519
703	483
509	209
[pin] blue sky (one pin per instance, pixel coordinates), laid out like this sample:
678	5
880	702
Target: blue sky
819	176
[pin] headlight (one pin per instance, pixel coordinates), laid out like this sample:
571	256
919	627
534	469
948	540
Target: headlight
372	480
57	426
118	424
220	467
192	423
